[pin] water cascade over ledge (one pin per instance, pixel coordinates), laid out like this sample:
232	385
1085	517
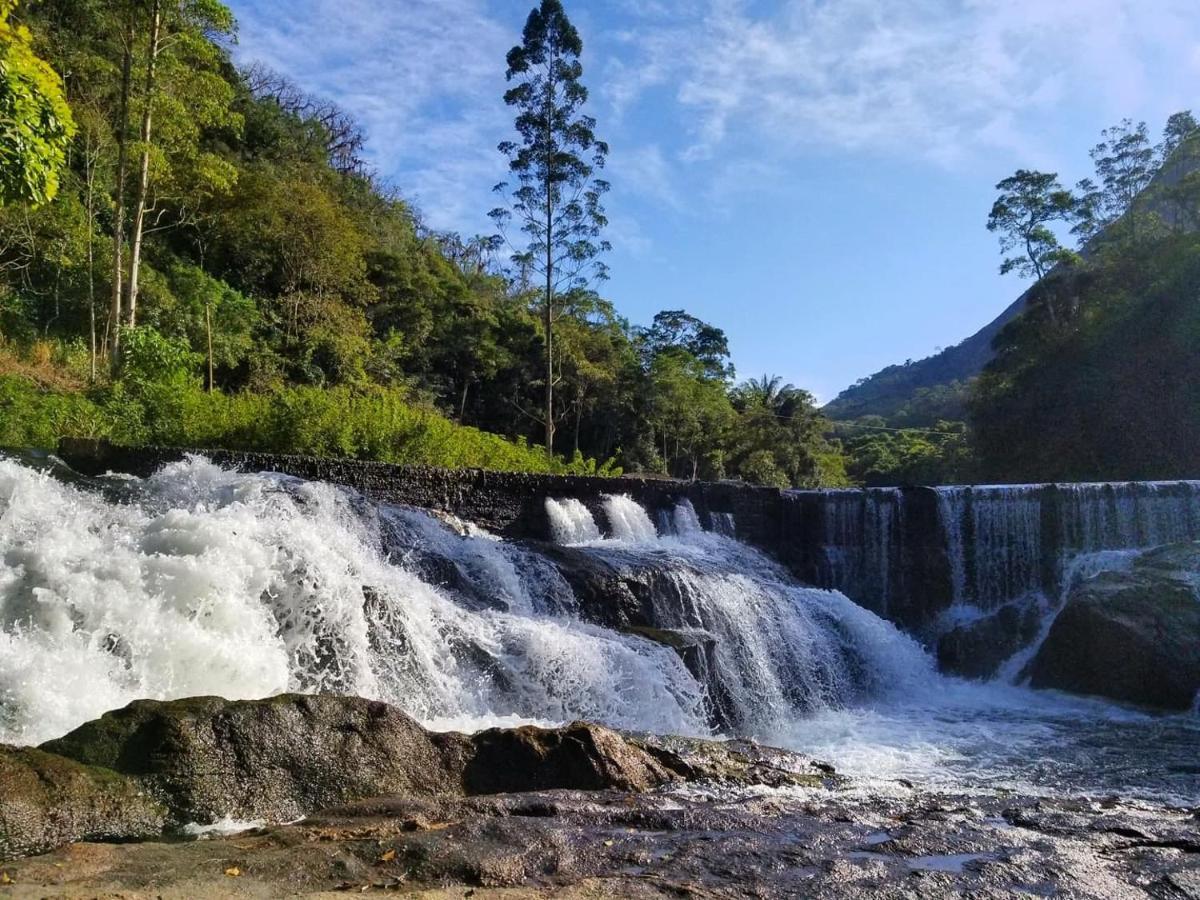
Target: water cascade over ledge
916	554
202	580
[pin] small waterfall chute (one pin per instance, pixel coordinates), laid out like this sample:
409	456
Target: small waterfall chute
571	522
627	520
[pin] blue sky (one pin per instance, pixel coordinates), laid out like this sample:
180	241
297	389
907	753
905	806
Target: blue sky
811	175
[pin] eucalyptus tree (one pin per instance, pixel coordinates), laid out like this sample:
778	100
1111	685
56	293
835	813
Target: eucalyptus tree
183	86
1126	163
555	197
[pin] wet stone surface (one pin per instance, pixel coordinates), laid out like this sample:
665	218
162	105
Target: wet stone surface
701	843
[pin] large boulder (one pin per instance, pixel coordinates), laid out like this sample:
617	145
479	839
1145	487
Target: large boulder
579	756
978	649
47	801
1132	636
275	759
283	757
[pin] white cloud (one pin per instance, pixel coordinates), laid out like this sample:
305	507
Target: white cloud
731	85
937	79
647	172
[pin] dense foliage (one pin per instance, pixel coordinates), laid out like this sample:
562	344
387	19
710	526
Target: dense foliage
220	267
1098	378
1092	373
35	122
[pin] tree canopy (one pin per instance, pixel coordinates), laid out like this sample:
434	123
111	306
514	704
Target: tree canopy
270	290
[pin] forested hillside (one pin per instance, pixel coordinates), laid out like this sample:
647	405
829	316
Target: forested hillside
195	252
1091	373
919	392
1098	378
220	266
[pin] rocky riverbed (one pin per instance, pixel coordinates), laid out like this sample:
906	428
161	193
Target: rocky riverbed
578	811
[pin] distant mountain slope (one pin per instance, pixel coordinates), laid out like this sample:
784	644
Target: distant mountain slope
889	391
920	392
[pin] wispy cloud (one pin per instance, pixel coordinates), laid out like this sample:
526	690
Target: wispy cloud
647	172
937	79
423	77
700	92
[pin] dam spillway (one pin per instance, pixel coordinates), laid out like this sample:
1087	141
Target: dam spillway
911	555
246	576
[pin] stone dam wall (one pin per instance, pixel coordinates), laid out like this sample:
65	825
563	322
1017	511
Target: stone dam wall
510	504
908	554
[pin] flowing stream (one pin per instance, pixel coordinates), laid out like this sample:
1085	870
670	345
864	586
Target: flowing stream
199	580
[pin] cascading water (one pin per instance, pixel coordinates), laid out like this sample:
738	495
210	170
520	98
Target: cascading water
1006	542
860	544
200	581
778	649
628	521
212	582
208	581
571	522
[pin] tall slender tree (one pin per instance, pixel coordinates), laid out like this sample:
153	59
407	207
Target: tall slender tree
556	196
179	75
116	286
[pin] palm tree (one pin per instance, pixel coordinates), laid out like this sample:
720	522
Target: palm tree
769	393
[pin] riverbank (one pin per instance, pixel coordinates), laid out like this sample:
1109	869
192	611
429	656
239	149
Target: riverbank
575	812
588	844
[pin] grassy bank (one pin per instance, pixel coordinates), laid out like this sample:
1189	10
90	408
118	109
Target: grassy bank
42	400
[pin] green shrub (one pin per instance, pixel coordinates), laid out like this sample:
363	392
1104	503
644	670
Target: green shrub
368	423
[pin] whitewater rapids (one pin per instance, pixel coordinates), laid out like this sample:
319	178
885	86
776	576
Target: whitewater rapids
200	580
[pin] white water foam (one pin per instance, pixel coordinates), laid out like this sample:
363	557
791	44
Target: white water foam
248	585
571	522
628	521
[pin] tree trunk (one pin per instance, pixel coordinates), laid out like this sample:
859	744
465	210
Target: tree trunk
549	411
118	268
139	219
549	189
578	423
208	331
462	406
89	169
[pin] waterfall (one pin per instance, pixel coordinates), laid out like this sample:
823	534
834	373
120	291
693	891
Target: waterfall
1004	543
950	518
571	522
200	580
684	520
861	540
628	521
1128	515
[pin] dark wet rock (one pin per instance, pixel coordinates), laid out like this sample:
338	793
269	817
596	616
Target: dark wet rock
47	801
740	763
1132	636
579	756
617	844
606	592
977	649
276	759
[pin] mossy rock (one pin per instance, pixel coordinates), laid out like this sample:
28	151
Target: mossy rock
275	759
47	801
1130	636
